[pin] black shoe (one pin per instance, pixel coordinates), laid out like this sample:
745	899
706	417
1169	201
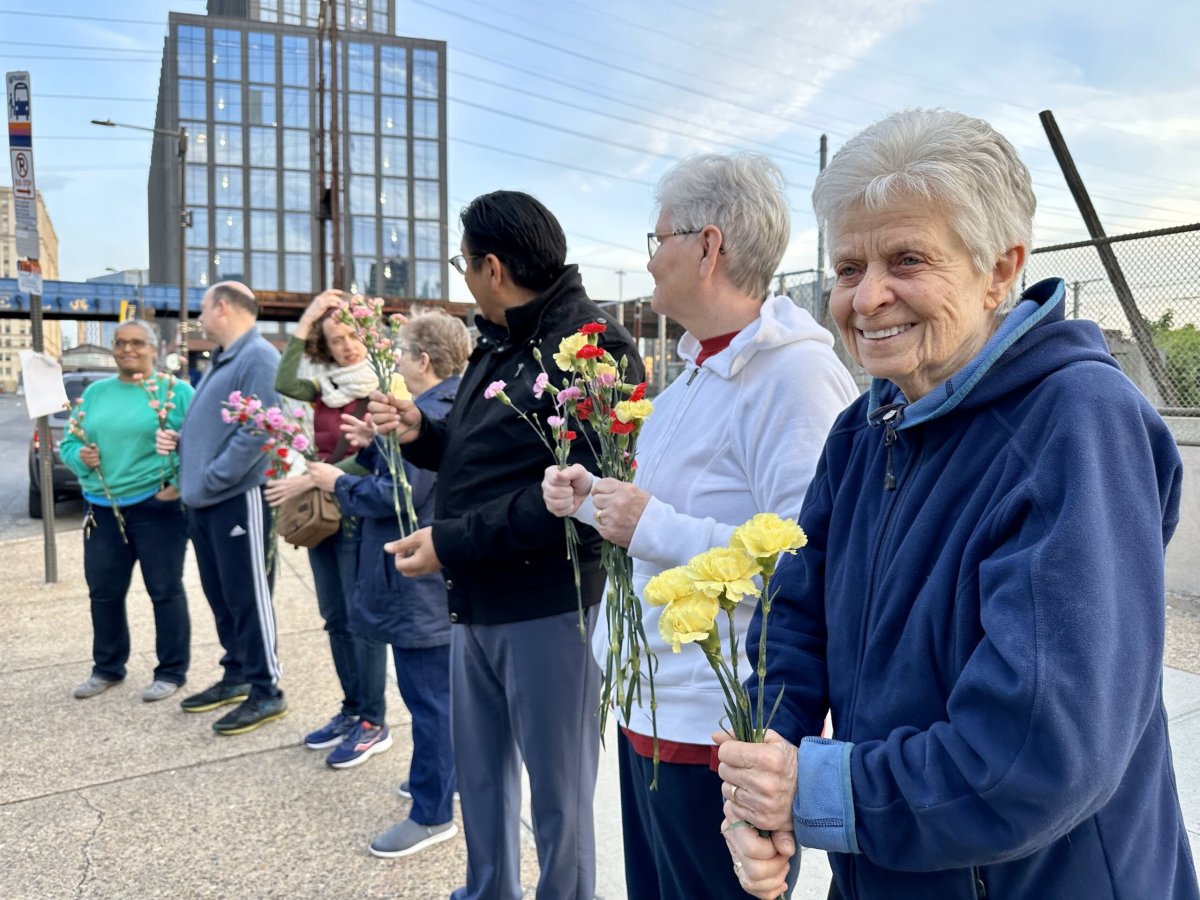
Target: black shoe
219	694
251	714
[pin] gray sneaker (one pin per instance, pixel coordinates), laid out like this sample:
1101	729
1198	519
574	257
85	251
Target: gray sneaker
159	690
93	686
408	837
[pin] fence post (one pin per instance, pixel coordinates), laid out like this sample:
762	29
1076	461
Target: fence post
1137	325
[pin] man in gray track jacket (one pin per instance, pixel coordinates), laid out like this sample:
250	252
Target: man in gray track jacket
220	480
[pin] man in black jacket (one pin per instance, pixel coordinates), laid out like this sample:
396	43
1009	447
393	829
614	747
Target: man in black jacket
523	681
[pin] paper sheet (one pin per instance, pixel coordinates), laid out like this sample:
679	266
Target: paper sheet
44	391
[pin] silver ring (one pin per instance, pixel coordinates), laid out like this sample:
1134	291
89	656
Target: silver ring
733	794
737	867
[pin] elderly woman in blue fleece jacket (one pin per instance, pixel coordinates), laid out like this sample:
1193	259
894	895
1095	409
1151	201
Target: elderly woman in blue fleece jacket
980	604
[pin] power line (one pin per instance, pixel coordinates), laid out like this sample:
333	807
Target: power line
106	19
79	47
550	162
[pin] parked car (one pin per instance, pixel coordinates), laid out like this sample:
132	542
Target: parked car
66	484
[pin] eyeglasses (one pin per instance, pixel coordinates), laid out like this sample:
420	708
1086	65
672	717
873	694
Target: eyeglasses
132	344
654	241
460	262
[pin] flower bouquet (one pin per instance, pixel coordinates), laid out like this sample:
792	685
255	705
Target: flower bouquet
75	427
282	435
694	595
160	390
380	335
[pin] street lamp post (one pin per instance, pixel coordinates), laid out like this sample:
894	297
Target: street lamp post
185	222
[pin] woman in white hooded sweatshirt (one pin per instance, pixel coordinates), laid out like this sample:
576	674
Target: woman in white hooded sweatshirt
737	433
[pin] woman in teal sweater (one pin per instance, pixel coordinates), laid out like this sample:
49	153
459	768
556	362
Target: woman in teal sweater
134	513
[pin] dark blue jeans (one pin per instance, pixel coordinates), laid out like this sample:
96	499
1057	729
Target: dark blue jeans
157	533
423	675
334	564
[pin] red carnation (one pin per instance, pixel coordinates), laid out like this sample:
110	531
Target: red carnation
569	435
282	451
270	473
638	392
619	427
593	328
583	409
589	351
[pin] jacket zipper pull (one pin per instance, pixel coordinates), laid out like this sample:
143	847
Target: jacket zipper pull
889	438
692	377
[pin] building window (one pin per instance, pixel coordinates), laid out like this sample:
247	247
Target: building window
429	279
227	144
264	271
356	15
425	159
362	195
297	273
192	100
393	158
427	200
393	70
392	116
425	118
197	186
197	268
297	191
189	45
260	50
297	232
296	151
227	55
360	67
362	275
362	235
425	73
227	101
393	197
230	265
198	233
362	153
227	187
395	238
262	147
197	151
295	108
362	113
264	193
428	239
264	232
229	231
261	109
295	61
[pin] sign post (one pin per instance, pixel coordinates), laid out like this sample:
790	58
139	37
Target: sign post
20	151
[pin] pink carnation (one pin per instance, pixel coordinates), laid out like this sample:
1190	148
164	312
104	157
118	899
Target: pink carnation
235	398
300	442
555	421
154	404
227	417
493	389
568	395
606	379
539	385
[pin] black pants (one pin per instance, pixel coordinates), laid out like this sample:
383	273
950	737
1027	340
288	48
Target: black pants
157	535
230	540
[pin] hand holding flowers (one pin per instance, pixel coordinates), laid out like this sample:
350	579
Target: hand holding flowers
76	429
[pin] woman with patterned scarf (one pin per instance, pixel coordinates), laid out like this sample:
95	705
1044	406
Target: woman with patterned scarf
342	388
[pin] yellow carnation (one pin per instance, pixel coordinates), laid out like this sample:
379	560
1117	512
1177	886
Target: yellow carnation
667	586
397	388
767	535
633	410
723	569
567	348
603	369
688	619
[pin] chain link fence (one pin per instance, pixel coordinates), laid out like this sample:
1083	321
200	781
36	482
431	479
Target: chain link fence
1143	290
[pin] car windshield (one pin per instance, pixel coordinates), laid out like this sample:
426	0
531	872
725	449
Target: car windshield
74	387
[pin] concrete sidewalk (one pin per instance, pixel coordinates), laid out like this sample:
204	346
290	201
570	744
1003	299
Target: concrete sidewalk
113	797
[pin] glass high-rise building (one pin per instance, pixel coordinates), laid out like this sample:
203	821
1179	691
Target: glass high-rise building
243	80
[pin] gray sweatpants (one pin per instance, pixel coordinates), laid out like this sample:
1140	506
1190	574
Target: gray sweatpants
526	691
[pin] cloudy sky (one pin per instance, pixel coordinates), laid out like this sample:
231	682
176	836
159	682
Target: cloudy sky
585	103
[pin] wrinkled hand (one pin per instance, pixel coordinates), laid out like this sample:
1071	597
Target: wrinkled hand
324	475
281	489
619	507
415	554
764	776
166	441
90	456
761	863
563	490
320	305
392	415
360	432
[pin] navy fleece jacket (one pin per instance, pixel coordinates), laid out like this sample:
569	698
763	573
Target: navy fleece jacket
988	632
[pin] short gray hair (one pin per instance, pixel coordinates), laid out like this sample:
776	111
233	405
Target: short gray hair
741	194
947	159
150	331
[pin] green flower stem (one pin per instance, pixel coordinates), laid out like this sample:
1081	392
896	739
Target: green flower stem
113	505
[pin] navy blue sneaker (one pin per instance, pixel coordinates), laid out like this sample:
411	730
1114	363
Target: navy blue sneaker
331	733
360	744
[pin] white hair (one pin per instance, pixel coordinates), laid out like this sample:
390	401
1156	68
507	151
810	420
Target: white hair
150	331
954	162
742	195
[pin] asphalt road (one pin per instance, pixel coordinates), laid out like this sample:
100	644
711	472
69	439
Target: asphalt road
16	430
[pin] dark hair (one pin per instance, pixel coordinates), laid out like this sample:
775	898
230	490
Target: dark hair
520	232
316	347
235	294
